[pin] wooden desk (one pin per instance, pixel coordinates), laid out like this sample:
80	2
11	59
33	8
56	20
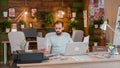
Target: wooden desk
5	49
71	62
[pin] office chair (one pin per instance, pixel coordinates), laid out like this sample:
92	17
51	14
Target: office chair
17	41
77	35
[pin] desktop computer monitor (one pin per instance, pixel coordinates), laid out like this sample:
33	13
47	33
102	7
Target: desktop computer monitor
30	34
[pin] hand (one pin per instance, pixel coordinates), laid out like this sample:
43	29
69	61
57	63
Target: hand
44	51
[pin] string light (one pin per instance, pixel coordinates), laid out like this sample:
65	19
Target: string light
61	12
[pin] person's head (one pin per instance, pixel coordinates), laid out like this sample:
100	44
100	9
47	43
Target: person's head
59	27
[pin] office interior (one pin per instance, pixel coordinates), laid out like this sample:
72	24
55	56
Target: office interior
36	18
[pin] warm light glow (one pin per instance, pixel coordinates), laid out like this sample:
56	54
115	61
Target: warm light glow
60	13
25	12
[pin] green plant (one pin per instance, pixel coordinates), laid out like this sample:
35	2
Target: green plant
22	22
96	39
46	18
49	19
91	30
98	22
74	24
5	24
110	45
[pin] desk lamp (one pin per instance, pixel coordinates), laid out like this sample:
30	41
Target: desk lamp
104	27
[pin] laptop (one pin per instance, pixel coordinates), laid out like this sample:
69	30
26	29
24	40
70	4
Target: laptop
76	48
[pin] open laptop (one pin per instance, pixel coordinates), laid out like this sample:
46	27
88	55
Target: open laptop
76	48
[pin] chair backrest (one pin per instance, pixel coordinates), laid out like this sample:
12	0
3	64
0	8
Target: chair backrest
41	43
53	33
17	40
77	35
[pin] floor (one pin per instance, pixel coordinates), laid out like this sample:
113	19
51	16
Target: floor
5	66
8	65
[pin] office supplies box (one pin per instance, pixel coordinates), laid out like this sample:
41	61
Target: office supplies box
28	58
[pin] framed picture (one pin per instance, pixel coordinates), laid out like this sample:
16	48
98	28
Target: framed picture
11	12
33	11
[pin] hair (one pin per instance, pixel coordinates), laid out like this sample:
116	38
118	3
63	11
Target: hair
59	22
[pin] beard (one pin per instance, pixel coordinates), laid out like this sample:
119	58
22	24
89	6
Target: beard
58	33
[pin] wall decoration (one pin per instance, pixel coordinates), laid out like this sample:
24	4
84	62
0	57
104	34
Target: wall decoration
33	11
5	14
11	12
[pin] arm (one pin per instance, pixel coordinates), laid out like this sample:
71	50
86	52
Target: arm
49	49
49	45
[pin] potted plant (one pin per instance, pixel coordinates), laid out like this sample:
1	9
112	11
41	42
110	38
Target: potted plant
5	25
98	22
22	23
110	47
96	39
8	25
73	24
102	41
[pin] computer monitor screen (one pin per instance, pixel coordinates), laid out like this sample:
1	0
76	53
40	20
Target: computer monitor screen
30	33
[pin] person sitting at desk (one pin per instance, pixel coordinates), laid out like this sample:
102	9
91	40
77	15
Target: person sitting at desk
57	43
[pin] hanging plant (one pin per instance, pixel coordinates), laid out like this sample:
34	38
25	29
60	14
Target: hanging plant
46	18
49	18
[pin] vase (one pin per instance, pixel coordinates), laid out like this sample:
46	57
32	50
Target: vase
22	26
7	30
95	43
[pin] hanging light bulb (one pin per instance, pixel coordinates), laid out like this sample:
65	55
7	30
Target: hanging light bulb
61	12
25	12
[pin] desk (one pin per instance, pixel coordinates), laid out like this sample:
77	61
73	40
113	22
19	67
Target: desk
5	49
70	62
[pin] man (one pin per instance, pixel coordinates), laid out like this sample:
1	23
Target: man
57	43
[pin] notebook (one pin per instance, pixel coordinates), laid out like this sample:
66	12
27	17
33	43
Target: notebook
76	48
42	43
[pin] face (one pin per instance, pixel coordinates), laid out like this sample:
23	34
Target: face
59	28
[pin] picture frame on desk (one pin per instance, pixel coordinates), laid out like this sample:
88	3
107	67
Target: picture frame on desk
11	12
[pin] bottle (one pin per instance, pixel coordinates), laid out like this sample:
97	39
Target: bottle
31	25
